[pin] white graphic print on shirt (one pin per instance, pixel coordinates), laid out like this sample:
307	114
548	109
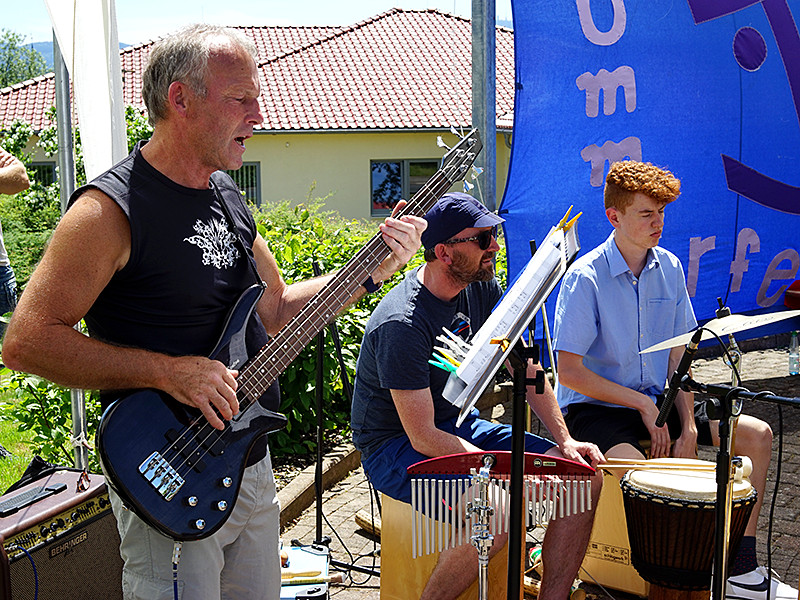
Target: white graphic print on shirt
217	243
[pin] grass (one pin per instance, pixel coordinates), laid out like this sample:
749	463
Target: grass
15	441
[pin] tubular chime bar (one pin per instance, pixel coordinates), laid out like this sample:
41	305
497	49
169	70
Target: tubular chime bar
464	498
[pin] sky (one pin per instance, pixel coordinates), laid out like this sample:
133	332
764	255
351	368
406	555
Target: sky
143	20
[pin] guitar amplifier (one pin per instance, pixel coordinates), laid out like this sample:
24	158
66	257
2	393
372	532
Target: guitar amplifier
59	542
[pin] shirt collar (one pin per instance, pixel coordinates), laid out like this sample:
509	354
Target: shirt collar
616	262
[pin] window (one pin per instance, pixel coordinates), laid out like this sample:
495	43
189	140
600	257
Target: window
394	180
248	178
42	172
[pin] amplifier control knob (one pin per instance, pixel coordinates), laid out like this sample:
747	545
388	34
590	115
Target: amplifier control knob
44	532
222	506
75	516
226	482
200	524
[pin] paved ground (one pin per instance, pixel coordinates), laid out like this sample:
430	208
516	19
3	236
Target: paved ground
762	370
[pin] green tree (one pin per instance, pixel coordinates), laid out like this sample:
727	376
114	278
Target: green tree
18	62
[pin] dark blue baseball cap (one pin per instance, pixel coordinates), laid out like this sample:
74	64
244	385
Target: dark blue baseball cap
454	212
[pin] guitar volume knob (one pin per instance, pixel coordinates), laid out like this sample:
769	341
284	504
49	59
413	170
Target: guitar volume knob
226	482
191	501
222	506
200	524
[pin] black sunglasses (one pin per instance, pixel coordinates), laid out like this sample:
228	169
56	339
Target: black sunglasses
484	238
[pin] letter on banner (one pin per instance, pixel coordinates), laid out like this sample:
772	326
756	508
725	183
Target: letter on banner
609	83
594	35
630	147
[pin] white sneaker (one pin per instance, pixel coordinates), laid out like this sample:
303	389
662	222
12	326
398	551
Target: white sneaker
753	586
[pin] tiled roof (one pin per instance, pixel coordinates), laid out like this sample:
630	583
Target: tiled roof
403	69
28	101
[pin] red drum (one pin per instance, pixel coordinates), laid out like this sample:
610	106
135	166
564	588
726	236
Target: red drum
671	522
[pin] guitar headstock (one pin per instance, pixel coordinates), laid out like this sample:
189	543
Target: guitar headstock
458	160
455	166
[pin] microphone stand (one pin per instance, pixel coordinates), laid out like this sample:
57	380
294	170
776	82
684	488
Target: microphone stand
318	487
727	409
518	357
722	399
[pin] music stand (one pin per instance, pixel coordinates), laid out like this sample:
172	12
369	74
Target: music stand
519	357
498	340
321	540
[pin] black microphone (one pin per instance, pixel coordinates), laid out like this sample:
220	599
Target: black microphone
733	357
677	376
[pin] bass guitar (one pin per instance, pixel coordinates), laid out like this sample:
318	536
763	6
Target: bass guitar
178	473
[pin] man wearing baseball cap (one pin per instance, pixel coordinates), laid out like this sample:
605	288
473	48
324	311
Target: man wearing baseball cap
399	416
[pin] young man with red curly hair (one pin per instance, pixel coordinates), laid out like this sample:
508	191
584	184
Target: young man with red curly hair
618	299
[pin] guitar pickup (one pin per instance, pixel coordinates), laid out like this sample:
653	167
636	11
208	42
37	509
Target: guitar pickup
189	449
213	443
166	480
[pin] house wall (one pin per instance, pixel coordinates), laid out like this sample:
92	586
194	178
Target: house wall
338	164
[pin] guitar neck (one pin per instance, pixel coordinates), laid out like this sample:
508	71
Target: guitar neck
264	368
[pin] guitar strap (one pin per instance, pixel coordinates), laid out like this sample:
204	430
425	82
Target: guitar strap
232	225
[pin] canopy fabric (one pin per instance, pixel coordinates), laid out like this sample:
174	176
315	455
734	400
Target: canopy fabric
709	89
86	31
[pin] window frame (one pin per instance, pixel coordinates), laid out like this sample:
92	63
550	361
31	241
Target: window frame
34	166
235	175
405	181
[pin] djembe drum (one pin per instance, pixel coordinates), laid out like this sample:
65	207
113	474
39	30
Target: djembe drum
671	524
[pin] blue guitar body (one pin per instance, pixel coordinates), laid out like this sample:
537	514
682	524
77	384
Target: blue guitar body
169	466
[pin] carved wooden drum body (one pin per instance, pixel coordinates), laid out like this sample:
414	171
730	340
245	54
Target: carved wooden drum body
671	523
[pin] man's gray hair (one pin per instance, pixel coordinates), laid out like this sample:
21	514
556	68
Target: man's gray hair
183	56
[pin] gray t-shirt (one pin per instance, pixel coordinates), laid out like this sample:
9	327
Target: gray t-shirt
398	341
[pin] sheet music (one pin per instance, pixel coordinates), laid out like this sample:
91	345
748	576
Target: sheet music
510	318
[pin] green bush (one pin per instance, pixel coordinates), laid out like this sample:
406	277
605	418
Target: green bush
45	409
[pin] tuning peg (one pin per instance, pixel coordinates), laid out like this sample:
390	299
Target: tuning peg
440	142
476	172
468	186
454	131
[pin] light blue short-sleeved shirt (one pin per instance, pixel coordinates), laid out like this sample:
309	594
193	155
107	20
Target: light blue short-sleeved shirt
607	315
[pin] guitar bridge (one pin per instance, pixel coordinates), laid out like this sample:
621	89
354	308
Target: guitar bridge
157	470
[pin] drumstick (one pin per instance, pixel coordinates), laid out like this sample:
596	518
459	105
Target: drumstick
287	574
694	464
643	464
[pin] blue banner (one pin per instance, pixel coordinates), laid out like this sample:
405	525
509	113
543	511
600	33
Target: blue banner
709	89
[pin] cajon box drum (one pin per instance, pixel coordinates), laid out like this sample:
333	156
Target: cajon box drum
404	577
71	537
608	556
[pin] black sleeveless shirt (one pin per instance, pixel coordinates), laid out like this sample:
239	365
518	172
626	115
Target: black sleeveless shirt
186	267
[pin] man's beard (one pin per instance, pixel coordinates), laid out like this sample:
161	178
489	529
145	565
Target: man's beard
462	272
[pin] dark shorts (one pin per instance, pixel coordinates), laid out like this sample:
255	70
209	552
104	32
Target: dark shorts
386	467
608	426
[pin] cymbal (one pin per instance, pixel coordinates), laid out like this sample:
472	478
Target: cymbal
724	326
